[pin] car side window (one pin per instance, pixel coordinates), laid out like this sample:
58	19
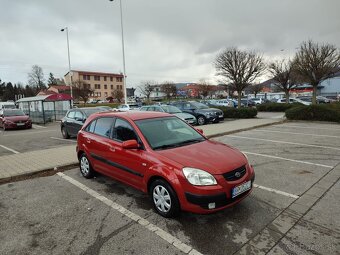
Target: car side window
78	115
103	127
91	126
158	109
187	106
71	114
123	131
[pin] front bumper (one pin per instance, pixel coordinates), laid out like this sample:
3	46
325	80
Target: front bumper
14	125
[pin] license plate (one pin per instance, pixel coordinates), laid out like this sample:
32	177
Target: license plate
20	124
240	189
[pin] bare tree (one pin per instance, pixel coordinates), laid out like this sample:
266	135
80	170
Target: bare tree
118	94
239	67
316	62
204	88
256	88
283	76
146	88
36	77
81	90
169	89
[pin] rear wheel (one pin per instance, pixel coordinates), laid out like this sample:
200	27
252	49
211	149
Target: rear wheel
86	169
201	120
164	199
65	133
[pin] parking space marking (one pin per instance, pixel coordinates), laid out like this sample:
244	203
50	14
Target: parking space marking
141	221
62	139
293	133
32	132
37	126
291	126
277	141
287	159
276	191
9	149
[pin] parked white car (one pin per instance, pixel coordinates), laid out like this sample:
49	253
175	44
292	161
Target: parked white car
257	100
293	100
127	107
224	102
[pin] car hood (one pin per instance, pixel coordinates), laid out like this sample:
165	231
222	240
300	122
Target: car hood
183	115
17	118
211	156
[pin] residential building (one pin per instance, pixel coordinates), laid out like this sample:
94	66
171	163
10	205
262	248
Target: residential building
102	84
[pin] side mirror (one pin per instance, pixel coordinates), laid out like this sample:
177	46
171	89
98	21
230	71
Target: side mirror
130	144
200	130
83	120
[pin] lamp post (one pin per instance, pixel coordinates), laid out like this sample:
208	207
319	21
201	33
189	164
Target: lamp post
69	59
123	48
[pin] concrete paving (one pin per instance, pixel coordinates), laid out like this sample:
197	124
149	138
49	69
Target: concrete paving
17	164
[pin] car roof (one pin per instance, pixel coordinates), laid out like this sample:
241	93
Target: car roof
132	115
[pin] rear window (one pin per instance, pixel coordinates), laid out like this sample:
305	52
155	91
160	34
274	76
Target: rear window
103	127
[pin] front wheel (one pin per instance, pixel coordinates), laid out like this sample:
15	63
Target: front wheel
86	169
201	120
164	199
64	133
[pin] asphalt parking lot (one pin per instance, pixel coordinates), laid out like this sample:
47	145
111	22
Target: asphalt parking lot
37	138
290	211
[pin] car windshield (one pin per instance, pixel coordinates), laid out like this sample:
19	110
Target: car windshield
13	113
199	105
90	111
170	109
167	133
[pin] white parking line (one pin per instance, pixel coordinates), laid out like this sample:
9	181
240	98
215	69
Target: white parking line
276	191
287	159
62	139
141	221
293	133
9	149
277	141
291	126
37	126
30	132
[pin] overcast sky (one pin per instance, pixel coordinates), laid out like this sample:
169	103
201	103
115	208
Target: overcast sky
175	40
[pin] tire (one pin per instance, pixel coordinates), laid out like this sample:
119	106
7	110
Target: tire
64	133
167	205
201	120
86	169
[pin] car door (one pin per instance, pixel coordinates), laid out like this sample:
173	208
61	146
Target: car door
189	108
127	165
68	122
78	122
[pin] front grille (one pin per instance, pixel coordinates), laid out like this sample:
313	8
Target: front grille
236	174
219	113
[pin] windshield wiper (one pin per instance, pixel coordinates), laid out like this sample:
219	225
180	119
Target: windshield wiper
165	146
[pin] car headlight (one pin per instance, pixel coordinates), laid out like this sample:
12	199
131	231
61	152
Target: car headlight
198	177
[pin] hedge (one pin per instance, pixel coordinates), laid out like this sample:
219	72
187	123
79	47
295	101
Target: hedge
238	113
320	112
275	107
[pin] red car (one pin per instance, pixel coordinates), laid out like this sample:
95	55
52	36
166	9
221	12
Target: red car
161	155
14	118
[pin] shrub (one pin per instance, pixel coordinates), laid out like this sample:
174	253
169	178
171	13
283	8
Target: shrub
235	113
321	112
275	107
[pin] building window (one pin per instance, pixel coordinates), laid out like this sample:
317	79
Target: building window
111	78
97	78
105	94
99	94
104	78
111	86
105	86
97	86
86	77
119	79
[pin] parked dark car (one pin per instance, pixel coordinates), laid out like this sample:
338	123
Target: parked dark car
75	118
202	112
187	117
166	158
14	118
247	102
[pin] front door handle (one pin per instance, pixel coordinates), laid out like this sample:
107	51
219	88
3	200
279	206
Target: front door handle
87	140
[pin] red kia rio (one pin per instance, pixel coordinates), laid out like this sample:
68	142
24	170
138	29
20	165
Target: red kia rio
162	155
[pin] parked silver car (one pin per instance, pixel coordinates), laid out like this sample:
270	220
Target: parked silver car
190	119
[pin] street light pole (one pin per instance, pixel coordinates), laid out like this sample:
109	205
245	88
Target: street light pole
123	49
69	59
